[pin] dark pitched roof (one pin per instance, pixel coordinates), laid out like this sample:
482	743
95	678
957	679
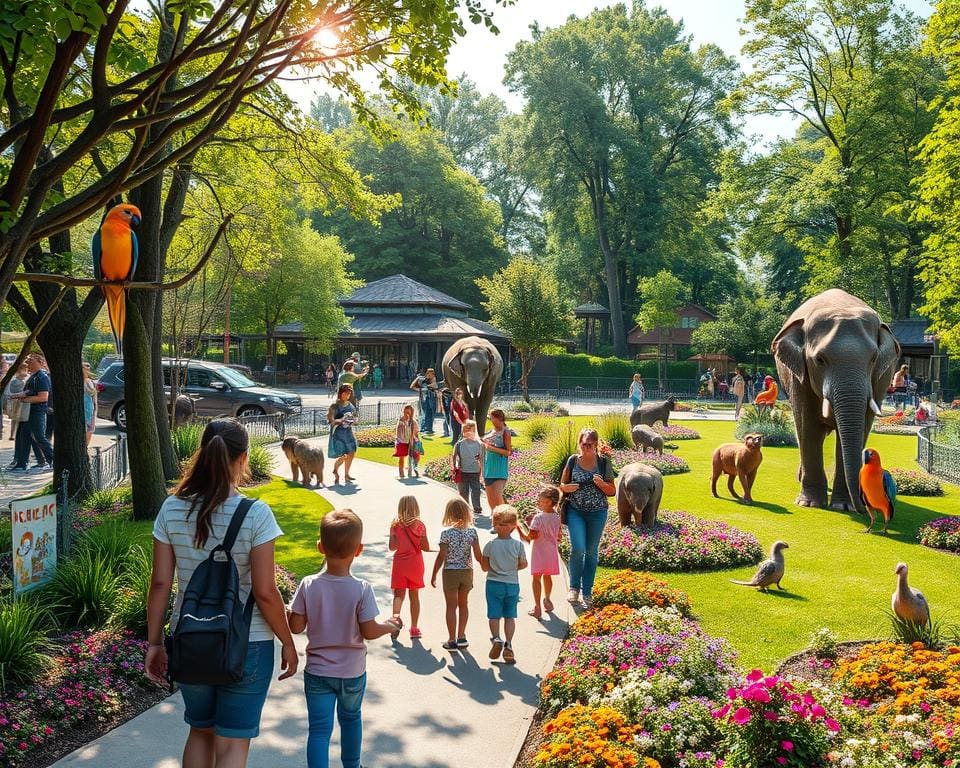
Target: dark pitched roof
432	325
591	309
400	290
910	333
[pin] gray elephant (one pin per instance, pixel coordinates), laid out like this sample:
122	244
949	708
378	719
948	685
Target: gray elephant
651	413
646	437
475	365
835	359
639	492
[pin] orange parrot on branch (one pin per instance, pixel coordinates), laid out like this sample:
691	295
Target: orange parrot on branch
115	254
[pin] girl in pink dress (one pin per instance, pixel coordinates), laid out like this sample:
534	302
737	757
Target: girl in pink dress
543	532
408	542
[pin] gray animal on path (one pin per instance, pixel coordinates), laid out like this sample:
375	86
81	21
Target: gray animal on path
650	413
770	571
907	603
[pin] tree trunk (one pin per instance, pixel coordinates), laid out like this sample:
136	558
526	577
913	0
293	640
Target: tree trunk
612	273
168	457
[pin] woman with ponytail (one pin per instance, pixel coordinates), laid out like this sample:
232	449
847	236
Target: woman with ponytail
191	522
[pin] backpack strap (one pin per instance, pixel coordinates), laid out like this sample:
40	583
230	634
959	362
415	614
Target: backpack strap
235	522
569	467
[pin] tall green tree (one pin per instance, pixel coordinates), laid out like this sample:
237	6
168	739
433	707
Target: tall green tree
524	300
625	122
661	296
939	183
742	329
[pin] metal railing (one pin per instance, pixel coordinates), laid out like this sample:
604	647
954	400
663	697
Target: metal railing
310	422
936	456
109	466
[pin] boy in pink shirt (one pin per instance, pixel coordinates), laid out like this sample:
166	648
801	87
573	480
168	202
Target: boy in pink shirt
339	613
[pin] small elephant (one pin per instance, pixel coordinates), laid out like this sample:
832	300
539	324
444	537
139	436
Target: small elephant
638	494
650	414
738	460
304	459
475	365
644	437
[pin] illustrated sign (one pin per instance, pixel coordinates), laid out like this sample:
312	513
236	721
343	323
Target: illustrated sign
34	523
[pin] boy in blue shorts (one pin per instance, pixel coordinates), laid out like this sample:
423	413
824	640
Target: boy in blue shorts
503	557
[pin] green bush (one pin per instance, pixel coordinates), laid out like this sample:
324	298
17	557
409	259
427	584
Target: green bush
587	368
186	440
559	446
776	425
23	641
114	542
130	609
261	462
83	590
522	407
915	482
94	353
614	429
538	427
107	500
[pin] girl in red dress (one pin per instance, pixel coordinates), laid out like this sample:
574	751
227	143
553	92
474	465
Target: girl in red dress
408	542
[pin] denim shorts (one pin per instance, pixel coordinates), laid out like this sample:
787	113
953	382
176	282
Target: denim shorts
502	599
233	710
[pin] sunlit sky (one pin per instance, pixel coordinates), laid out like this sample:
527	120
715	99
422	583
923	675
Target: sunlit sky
482	55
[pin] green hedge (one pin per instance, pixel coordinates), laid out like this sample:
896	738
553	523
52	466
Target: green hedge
589	366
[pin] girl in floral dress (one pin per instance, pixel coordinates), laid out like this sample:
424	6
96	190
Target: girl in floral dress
543	532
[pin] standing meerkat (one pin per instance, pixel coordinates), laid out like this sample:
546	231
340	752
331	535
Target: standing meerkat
738	460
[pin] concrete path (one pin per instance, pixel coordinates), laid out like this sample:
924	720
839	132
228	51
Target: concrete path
424	707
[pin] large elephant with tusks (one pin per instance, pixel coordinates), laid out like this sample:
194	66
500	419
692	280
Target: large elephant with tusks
475	365
835	359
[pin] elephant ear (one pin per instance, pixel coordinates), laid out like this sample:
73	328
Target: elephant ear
787	348
496	363
455	365
889	349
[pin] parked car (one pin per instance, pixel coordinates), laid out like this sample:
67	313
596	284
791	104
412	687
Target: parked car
216	390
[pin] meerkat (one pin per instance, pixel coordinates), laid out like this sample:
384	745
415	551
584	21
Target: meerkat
738	460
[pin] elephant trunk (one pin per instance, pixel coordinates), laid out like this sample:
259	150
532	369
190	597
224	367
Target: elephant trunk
850	415
474	382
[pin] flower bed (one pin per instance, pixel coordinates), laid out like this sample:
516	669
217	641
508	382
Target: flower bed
893	429
942	533
376	437
668	464
677	432
633	589
678	542
95	677
915	482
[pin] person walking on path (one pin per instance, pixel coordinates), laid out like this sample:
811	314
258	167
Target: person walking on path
503	558
407	441
408	542
459	414
377	377
190	524
496	466
16	409
342	444
32	434
446	399
636	391
330	377
338	612
361	368
544	533
350	377
89	402
466	461
739	390
459	544
588	481
428	389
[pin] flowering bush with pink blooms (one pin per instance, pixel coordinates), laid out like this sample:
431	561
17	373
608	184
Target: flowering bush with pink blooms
668	463
93	678
677	432
767	722
942	533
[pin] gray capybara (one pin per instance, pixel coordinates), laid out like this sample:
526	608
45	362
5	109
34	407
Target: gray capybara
645	437
305	458
638	494
650	414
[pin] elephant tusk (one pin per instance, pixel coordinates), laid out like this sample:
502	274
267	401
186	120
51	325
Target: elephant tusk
826	408
875	408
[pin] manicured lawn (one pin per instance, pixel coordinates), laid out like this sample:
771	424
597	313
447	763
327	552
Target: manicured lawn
433	448
298	511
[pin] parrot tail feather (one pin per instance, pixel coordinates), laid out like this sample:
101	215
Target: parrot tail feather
117	312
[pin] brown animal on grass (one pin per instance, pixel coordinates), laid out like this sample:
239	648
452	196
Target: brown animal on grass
738	460
304	459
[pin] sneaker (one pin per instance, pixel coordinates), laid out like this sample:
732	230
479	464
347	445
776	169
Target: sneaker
449	646
573	596
11	465
415	632
18	470
508	657
462	642
416	473
496	648
42	467
587	602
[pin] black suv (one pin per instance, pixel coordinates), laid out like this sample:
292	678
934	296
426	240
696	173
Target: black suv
216	390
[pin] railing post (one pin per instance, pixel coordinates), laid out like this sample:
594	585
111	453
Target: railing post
379	403
313	430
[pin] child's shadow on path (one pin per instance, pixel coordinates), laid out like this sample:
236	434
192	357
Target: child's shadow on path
417	659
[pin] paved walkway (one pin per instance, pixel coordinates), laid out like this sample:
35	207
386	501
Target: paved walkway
424	707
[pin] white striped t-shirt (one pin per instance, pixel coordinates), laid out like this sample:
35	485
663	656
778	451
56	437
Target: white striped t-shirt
259	526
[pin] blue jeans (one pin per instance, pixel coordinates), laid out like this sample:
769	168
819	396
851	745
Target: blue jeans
324	694
585	531
636	402
429	414
32	433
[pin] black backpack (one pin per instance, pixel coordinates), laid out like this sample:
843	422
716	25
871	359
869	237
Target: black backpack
209	645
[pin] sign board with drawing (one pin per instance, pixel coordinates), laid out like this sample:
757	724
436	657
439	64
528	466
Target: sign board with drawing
34	524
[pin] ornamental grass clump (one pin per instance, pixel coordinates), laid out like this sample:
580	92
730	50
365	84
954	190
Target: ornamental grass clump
915	482
23	641
677	542
942	533
589	737
614	430
767	722
636	590
776	425
538	427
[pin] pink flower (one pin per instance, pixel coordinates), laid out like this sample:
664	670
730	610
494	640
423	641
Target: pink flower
786	746
782	760
770	715
816	711
722	712
741	716
754	675
832	725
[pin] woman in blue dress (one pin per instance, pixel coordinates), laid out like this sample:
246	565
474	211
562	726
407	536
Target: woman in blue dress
496	458
343	444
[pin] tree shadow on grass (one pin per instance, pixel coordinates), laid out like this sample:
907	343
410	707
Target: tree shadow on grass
778	509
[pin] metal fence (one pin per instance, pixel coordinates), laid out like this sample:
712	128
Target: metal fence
310	422
109	466
937	456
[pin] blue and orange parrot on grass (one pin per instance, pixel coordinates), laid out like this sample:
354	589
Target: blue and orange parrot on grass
878	490
115	253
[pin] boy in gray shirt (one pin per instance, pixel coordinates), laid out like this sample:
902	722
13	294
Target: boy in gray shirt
503	557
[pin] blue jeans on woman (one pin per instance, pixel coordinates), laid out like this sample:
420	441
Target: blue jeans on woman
429	406
585	530
324	694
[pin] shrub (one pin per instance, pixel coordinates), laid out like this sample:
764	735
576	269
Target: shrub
186	440
544	404
677	432
114	542
767	722
823	643
677	542
23	642
538	427
614	430
261	462
83	590
130	609
914	482
933	634
776	425
668	463
438	469
286	582
589	737
376	437
942	533
108	500
521	406
638	590
558	447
